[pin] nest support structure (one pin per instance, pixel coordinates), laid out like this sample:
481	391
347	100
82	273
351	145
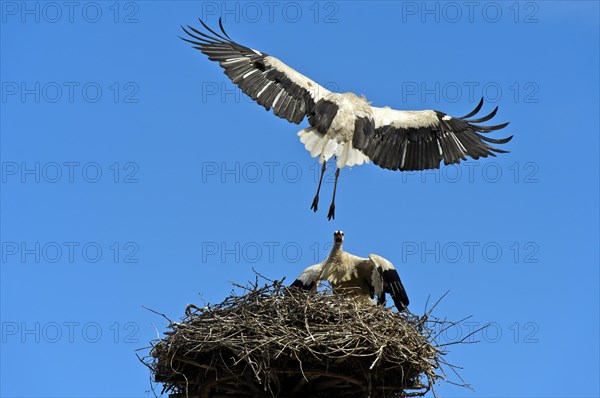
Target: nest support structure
274	341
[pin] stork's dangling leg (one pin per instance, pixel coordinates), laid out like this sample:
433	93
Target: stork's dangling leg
331	213
316	199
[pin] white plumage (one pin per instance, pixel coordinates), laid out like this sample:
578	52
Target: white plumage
325	147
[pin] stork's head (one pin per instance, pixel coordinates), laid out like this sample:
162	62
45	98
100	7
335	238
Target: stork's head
338	237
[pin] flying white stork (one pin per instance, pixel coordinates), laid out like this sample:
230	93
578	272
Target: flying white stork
344	125
353	275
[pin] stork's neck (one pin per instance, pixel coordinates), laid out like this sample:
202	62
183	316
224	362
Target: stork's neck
336	251
334	264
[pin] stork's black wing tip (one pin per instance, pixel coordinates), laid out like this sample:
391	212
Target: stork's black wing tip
402	304
297	283
480	104
220	37
474	111
487	129
301	285
506	140
223	29
485	118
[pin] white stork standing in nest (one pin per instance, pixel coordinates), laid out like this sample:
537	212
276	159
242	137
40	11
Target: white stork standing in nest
345	126
356	276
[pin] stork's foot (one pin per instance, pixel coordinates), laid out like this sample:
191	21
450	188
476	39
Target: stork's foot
331	213
315	202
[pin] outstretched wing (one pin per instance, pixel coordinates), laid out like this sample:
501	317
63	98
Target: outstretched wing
309	278
419	140
391	282
263	78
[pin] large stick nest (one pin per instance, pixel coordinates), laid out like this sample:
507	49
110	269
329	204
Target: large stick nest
274	341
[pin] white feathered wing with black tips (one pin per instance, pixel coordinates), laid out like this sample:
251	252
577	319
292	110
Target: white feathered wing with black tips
355	276
343	125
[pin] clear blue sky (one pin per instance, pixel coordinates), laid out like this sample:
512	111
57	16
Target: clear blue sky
134	173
